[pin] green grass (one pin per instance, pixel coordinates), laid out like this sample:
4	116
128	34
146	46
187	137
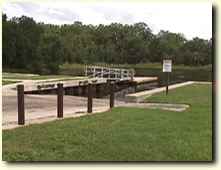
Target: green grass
23	76
123	134
195	94
5	82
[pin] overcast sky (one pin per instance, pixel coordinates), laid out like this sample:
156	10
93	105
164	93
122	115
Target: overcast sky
191	19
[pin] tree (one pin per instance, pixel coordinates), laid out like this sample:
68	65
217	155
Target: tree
8	42
167	44
41	48
51	51
21	37
196	52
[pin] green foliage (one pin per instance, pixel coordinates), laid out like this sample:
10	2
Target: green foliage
22	76
5	82
72	69
122	134
179	72
41	48
51	52
21	37
167	44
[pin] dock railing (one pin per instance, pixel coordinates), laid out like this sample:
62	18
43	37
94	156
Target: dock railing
109	73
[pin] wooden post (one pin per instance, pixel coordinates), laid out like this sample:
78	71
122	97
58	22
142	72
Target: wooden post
90	98
84	90
167	83
131	74
86	70
21	104
94	72
102	72
115	73
60	94
112	86
98	90
109	76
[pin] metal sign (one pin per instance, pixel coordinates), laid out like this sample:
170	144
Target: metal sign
167	65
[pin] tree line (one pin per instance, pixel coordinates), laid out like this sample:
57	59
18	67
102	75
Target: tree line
41	48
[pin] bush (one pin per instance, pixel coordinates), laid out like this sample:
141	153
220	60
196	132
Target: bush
72	69
178	74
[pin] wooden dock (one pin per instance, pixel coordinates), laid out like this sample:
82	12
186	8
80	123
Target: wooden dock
139	80
41	85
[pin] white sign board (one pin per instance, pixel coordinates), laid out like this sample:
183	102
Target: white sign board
167	65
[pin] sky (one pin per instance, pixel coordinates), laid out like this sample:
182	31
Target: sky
190	19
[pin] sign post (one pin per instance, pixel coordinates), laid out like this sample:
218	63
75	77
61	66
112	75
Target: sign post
167	68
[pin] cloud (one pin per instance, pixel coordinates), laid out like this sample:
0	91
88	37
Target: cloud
111	14
191	19
27	7
42	13
62	15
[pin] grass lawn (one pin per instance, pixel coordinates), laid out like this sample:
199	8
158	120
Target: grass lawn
123	134
23	76
5	82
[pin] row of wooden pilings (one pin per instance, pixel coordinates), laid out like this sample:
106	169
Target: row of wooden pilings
60	94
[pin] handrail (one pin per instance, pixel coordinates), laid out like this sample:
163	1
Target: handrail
108	72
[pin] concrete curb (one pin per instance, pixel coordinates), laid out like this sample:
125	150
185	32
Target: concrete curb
140	96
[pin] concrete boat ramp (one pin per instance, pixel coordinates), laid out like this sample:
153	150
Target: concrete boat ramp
42	108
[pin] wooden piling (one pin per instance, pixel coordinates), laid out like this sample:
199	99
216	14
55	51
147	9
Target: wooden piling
112	88
21	104
60	94
90	98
